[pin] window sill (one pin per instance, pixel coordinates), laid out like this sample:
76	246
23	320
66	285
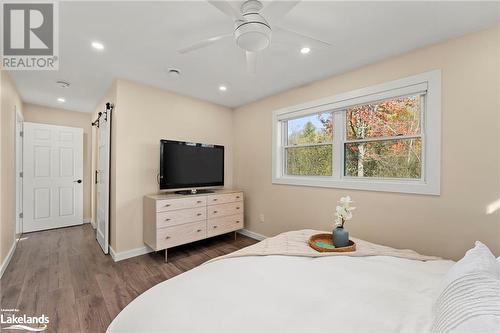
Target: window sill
397	186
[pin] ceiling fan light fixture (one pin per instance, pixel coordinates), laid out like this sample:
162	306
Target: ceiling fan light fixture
253	34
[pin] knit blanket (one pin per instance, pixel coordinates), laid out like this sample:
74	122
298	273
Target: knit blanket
295	243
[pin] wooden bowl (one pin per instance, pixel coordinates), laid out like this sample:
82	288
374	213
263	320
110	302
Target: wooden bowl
327	238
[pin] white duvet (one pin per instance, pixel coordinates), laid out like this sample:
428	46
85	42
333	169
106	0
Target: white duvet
291	294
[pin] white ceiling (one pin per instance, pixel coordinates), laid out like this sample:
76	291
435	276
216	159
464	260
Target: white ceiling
141	39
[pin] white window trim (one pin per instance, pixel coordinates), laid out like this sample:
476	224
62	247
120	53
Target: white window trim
431	136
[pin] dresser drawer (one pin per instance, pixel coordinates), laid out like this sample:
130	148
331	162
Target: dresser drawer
181	234
180	216
183	203
224	198
225	209
224	224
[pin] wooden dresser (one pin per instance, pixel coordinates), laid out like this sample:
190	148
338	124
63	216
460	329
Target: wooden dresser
175	219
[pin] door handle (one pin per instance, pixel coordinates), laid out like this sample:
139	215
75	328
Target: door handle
96	175
79	181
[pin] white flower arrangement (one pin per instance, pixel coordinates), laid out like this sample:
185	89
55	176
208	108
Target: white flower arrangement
343	212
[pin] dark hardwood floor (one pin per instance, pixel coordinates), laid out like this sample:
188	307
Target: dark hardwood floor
63	274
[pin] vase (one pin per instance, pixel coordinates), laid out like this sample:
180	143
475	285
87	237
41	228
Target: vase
340	237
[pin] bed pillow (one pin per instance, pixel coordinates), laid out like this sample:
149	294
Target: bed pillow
477	259
469	298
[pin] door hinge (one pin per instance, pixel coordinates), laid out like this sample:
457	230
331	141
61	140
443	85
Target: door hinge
21	133
21	174
21	215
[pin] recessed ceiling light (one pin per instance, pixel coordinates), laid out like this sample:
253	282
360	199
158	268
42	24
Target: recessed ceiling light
222	88
61	100
305	50
98	46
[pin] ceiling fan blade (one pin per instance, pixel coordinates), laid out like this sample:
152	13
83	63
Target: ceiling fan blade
226	8
251	62
296	35
277	10
203	43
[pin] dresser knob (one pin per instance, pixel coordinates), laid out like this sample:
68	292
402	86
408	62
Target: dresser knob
237	207
199	214
214	199
238	197
215	212
237	221
199	230
199	201
167	205
166	220
168	237
215	227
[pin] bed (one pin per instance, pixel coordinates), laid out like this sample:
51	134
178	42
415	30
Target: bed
259	291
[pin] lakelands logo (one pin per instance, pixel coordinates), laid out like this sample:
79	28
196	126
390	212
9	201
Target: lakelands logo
24	322
30	36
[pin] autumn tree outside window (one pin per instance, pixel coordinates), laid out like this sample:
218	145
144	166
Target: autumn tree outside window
385	138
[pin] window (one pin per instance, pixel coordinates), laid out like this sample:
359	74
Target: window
384	138
309	145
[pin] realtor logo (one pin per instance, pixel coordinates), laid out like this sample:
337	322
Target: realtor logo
30	36
16	321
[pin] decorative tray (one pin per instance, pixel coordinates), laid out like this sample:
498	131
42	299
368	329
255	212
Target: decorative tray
323	243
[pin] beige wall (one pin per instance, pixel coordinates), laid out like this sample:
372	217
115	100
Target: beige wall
10	101
446	225
46	115
143	116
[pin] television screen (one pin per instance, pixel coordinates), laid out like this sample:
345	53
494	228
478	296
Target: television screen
190	165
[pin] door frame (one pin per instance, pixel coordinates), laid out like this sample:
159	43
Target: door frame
19	144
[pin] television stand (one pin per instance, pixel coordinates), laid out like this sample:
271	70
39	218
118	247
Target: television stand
171	219
194	191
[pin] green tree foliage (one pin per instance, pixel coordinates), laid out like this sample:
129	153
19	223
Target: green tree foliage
310	161
313	160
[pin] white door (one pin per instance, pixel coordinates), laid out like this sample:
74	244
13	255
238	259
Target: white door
19	172
53	173
103	158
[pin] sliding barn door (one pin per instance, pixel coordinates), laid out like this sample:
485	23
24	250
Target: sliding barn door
103	161
53	174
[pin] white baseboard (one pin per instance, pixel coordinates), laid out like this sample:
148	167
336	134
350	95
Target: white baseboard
251	234
117	256
6	262
91	221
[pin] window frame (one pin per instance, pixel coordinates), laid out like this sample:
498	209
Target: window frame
430	134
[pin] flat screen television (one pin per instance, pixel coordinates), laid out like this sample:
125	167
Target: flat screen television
187	165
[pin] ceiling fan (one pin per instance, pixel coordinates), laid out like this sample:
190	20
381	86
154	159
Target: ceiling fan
253	26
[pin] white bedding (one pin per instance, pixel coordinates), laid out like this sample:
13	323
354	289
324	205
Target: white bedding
291	294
